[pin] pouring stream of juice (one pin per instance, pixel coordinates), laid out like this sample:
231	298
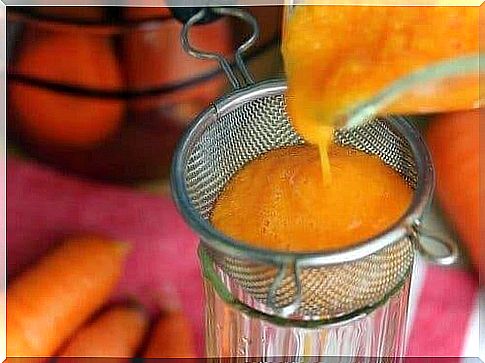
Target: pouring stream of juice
338	57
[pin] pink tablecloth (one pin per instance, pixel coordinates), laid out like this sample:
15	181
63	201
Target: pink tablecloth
43	205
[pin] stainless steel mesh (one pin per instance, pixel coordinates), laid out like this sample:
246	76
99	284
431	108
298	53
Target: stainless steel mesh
224	141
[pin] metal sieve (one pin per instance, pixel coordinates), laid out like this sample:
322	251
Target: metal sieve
298	287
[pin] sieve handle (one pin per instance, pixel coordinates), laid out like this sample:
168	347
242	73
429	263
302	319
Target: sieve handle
184	13
202	15
419	236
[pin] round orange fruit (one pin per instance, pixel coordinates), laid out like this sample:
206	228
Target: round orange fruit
49	116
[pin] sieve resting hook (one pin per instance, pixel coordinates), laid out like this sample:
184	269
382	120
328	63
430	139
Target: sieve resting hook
291	307
246	75
419	236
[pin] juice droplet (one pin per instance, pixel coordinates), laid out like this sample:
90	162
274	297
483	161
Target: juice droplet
325	164
323	146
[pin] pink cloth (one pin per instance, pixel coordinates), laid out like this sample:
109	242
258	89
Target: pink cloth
445	310
43	205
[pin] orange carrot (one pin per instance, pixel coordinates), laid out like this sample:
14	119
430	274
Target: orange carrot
116	333
48	302
453	140
171	337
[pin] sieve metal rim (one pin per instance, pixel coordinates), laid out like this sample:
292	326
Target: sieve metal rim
405	227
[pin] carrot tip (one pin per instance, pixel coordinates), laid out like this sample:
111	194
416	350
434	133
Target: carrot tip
124	247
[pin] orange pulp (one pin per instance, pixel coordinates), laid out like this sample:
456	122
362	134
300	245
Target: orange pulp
278	201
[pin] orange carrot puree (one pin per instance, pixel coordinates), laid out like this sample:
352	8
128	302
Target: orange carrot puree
279	201
338	56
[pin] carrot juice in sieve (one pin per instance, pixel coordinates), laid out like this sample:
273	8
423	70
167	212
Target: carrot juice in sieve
280	201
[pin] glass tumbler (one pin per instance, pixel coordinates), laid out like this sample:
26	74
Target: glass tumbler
262	303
